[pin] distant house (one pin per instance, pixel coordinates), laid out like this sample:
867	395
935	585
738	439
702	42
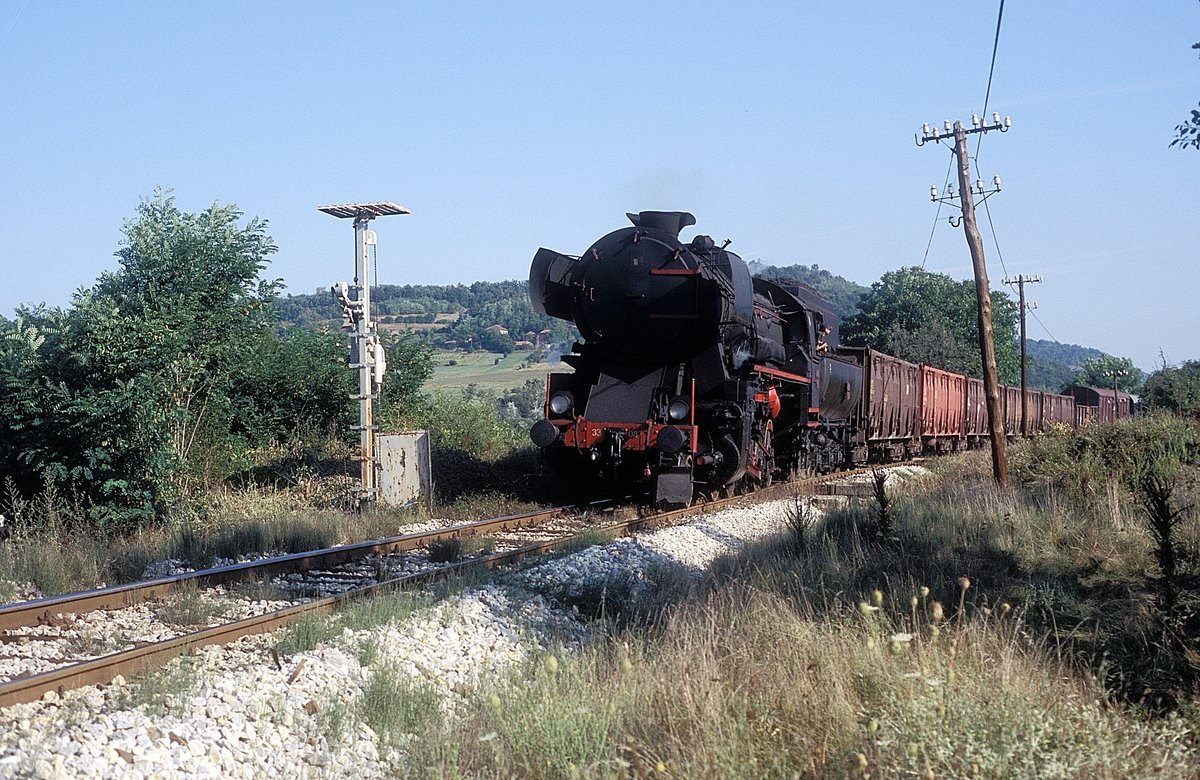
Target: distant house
499	330
523	344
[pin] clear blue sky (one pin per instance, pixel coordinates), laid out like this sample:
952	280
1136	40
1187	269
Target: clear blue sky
786	127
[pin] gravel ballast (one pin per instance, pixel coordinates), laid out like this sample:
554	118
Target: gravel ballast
247	715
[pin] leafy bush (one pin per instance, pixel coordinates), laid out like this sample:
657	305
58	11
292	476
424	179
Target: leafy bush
112	399
1176	388
465	421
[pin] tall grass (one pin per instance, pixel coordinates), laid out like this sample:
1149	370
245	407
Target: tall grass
750	683
295	500
992	633
311	630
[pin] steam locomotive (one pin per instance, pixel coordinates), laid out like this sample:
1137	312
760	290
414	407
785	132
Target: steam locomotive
693	376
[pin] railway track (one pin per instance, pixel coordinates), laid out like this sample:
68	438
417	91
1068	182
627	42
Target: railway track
361	569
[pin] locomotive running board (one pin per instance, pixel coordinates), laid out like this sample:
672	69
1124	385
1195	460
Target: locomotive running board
784	375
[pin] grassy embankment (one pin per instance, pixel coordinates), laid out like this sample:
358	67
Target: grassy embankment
977	632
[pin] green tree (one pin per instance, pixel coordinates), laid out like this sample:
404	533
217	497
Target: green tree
1187	133
410	363
292	385
186	305
926	317
112	399
1108	372
1175	387
842	294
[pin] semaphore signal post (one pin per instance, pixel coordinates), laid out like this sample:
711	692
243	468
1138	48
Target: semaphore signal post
366	350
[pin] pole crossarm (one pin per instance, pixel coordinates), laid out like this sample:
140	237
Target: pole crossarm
949	131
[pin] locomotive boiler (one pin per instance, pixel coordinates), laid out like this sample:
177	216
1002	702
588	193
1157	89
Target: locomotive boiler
691	376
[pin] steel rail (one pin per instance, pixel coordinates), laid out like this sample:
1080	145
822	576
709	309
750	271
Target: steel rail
138	660
103	670
31	613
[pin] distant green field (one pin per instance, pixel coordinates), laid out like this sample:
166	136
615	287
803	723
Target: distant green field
486	369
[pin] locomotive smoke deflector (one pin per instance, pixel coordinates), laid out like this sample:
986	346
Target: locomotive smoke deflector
549	288
667	221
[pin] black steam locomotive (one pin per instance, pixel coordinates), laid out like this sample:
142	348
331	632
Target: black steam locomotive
691	374
695	377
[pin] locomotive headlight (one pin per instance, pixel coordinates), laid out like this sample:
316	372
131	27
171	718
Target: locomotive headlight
561	403
677	410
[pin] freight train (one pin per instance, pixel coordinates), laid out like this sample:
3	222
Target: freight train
695	377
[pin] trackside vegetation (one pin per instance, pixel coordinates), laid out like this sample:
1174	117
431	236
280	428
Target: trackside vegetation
1017	632
166	413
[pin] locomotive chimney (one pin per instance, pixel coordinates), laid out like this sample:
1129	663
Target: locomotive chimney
667	221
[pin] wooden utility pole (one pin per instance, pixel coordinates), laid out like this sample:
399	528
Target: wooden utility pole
1021	281
987	342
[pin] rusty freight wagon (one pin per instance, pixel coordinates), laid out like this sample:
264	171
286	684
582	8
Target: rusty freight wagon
890	406
1096	404
943	402
1057	410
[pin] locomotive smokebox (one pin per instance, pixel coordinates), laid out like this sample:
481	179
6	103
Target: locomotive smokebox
638	295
